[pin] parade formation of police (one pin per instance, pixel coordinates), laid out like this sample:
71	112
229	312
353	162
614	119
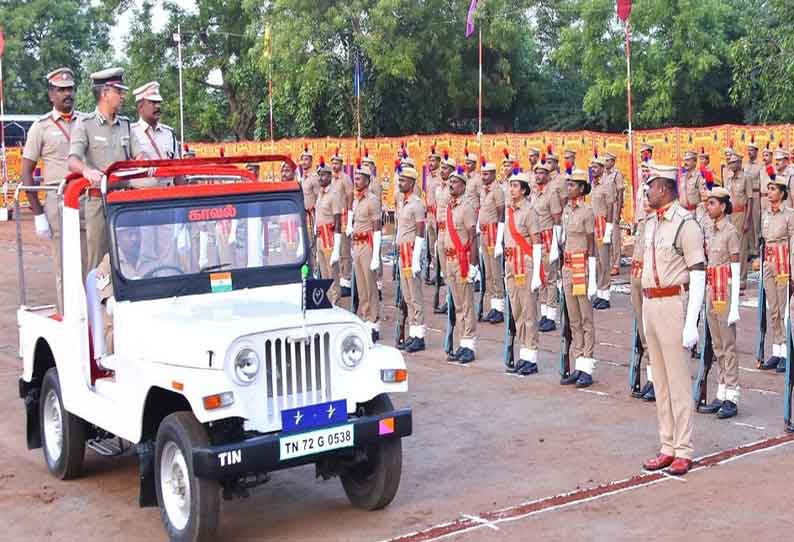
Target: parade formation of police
499	244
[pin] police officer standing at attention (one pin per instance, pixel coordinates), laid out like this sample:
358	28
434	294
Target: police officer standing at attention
674	263
549	211
156	140
410	239
461	252
48	141
614	176
579	278
330	204
752	169
492	214
99	139
344	185
366	241
442	198
473	181
740	187
433	178
603	200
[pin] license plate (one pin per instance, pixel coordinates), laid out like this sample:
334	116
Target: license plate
314	442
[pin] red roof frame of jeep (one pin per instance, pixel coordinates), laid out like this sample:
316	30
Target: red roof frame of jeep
223	165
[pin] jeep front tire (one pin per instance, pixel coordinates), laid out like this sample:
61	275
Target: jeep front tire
62	433
372	483
189	506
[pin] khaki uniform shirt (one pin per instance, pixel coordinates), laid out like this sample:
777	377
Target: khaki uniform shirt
433	180
741	188
525	218
603	196
764	183
412	212
664	266
557	182
366	211
722	241
546	204
492	199
99	143
158	143
689	196
753	170
329	203
344	185
464	218
778	226
310	186
615	177
48	141
442	200
578	222
474	189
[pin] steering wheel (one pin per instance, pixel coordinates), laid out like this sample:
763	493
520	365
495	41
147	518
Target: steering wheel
156	270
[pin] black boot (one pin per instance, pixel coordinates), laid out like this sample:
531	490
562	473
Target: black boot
643	390
585	380
712	407
650	395
440	310
526	368
497	317
375	336
466	355
728	410
571	379
770	364
781	366
402	345
417	344
546	325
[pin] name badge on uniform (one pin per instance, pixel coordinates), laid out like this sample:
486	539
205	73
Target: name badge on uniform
100	138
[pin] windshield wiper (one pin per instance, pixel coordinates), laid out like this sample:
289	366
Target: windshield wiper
214	267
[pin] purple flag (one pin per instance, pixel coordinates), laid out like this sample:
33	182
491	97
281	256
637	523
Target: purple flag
470	18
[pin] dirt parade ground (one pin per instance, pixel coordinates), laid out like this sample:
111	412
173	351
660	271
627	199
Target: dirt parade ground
492	457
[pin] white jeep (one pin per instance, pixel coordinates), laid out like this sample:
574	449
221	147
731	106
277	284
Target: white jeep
223	369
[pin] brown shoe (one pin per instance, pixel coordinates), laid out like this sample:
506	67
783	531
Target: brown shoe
680	466
659	462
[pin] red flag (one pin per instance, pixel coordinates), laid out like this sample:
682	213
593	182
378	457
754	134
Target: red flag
624	9
2	43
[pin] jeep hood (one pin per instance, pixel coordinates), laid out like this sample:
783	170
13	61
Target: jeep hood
183	331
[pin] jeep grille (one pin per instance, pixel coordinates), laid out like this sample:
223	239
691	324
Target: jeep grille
298	372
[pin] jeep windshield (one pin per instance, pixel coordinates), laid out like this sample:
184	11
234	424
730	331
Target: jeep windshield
212	244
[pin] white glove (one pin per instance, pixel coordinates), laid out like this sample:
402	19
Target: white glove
110	305
416	256
697	287
733	314
500	237
537	255
182	238
554	250
337	248
349	229
608	233
374	264
233	233
43	230
591	277
474	272
203	242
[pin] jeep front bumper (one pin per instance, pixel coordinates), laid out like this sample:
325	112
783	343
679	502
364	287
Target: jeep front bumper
263	453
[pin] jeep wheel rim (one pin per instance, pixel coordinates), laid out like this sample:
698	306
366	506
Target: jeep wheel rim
53	426
175	481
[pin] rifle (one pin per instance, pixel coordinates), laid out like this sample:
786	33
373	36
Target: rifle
437	291
565	338
451	317
510	335
402	308
635	367
481	298
353	291
789	378
759	352
427	257
706	361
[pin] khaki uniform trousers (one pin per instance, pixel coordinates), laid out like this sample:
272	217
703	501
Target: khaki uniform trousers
366	282
755	229
494	279
664	322
548	293
54	218
580	318
524	306
345	257
463	297
603	264
737	219
96	234
723	340
636	305
412	294
776	296
328	271
431	236
440	252
617	245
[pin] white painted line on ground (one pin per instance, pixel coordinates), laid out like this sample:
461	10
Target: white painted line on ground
612	363
763	392
751	370
594	392
741	424
483	522
610	345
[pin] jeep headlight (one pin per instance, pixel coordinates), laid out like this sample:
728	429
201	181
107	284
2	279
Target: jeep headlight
352	351
246	365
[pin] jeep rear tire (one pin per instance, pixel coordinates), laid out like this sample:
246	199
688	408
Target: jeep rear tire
372	484
189	506
62	433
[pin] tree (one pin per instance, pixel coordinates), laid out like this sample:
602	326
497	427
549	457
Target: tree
680	51
42	35
763	62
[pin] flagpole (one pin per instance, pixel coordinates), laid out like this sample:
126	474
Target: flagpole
181	97
479	109
629	107
3	124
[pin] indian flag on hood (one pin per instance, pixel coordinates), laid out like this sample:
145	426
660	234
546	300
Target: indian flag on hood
221	282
